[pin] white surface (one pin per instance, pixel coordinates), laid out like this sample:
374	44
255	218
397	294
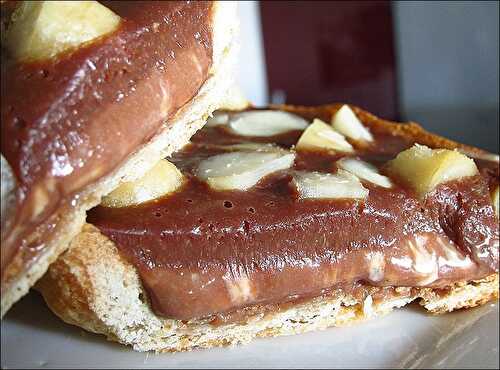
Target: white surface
251	68
447	53
34	338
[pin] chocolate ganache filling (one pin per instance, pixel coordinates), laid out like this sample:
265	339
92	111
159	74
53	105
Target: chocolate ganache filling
202	251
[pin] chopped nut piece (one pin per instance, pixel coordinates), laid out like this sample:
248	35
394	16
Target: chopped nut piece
423	168
326	185
265	123
364	171
42	29
241	170
320	135
162	179
346	122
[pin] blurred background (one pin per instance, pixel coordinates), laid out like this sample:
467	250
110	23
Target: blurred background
435	63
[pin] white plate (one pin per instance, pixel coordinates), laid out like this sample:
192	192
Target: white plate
32	337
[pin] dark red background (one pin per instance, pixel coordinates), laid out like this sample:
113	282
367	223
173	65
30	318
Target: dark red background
320	52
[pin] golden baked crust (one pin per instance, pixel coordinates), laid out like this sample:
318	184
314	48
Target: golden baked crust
92	286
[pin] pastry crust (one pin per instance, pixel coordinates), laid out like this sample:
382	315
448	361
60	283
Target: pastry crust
93	287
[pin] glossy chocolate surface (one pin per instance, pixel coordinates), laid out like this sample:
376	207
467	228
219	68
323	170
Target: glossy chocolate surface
201	252
70	121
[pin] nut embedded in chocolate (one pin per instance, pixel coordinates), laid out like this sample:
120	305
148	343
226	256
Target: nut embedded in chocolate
423	168
321	136
41	30
164	178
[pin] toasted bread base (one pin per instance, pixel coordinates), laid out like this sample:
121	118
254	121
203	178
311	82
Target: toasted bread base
175	134
93	287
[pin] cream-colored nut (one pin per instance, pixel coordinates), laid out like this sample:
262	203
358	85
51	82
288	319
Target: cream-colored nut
365	171
242	170
346	122
164	178
321	136
423	168
42	29
342	185
265	123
